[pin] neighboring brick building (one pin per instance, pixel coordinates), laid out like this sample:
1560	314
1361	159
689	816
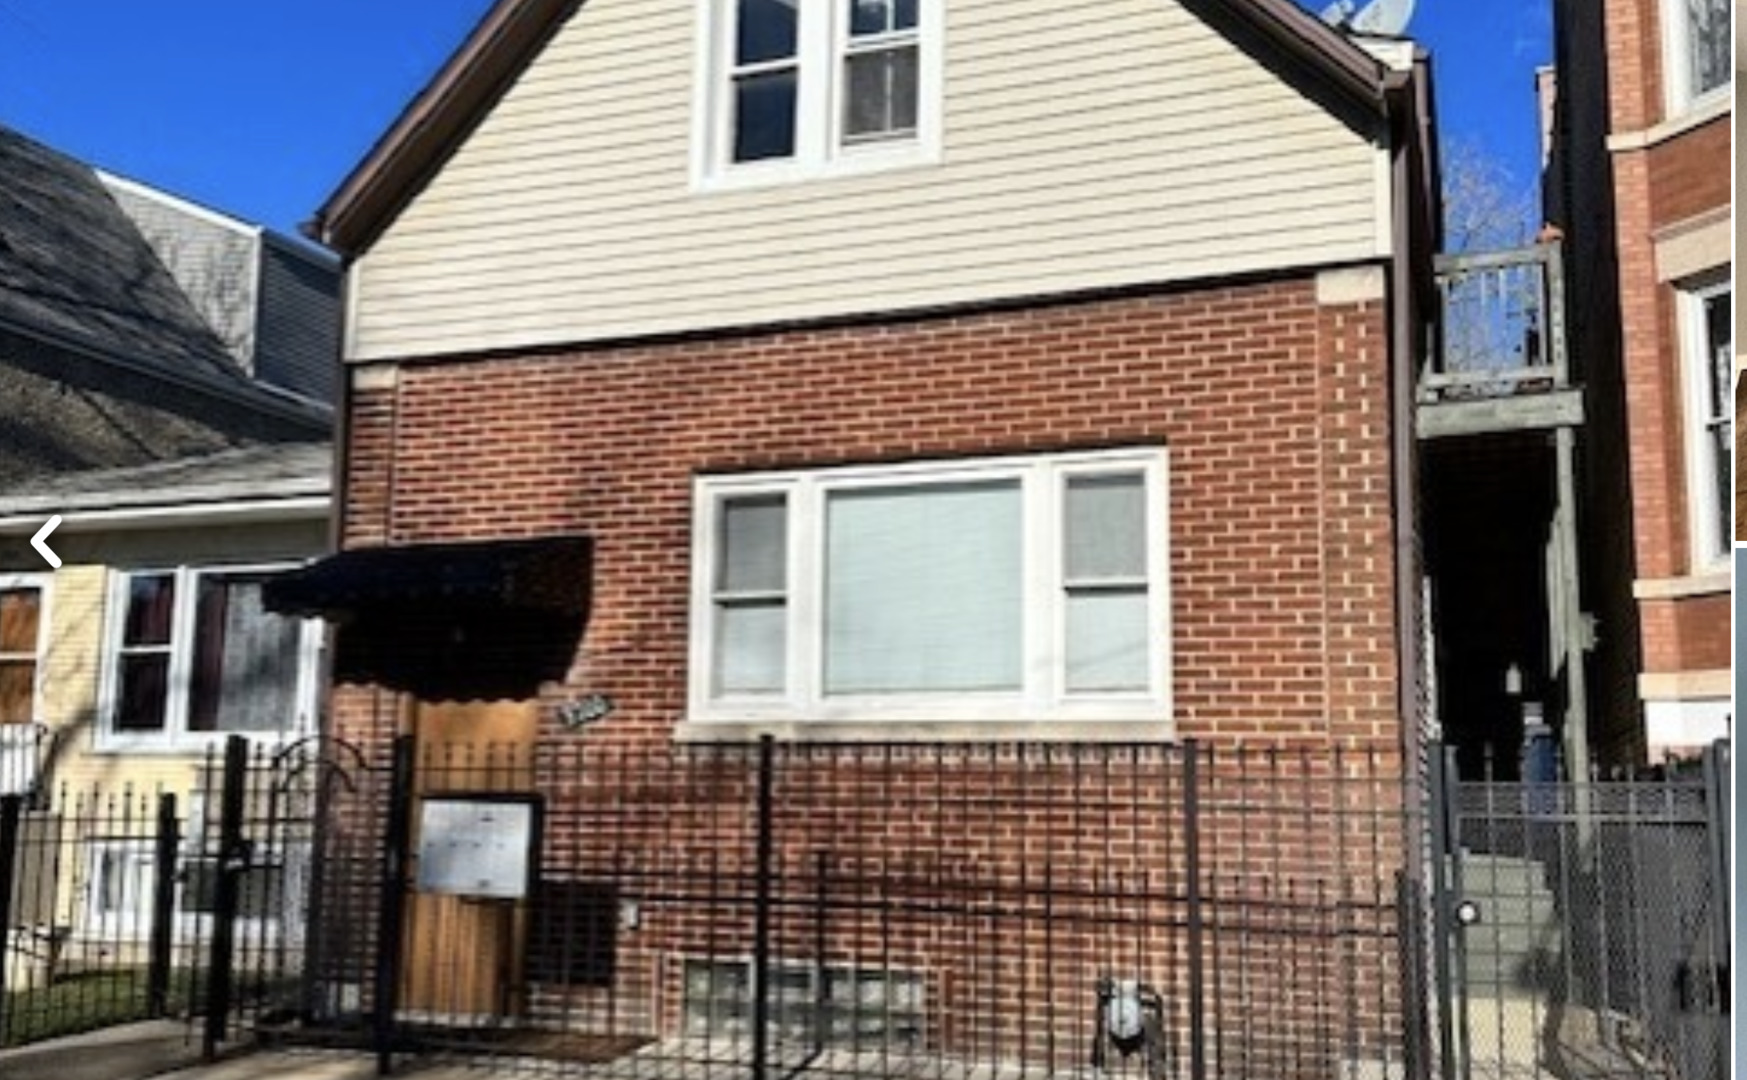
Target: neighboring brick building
1639	180
952	417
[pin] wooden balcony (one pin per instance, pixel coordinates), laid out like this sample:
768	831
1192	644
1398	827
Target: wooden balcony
1502	362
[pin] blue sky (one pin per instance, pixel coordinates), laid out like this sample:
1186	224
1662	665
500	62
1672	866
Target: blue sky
260	107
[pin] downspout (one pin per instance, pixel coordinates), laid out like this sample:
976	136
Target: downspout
1403	99
1408	122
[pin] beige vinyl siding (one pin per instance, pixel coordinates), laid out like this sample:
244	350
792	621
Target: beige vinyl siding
1089	145
74	660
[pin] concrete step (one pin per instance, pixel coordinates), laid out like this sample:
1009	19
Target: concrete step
1497	940
1534	970
1496	875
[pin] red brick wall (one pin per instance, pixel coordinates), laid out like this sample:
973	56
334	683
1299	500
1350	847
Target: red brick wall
1686	635
1634	63
1655	187
1274	411
1689	174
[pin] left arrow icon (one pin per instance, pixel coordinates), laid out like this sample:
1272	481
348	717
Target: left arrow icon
39	541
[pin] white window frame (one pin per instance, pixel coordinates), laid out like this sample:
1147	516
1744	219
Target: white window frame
174	737
1677	73
1042	698
134	920
20	743
1705	504
822	37
43	584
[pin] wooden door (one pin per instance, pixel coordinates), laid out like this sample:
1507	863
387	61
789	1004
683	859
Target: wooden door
465	958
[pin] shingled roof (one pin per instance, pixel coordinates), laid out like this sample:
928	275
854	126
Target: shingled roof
75	270
251	474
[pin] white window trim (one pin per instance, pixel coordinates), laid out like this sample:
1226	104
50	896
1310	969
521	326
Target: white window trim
134	921
44	584
1677	67
175	738
1704	503
819	149
1041	702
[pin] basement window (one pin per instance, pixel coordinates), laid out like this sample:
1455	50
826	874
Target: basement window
839	1006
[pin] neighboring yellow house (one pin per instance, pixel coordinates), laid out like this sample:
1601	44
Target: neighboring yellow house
149	645
123	671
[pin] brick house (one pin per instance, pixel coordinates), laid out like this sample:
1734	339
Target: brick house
1639	180
763	340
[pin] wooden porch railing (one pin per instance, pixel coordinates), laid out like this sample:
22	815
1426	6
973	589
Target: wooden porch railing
1503	326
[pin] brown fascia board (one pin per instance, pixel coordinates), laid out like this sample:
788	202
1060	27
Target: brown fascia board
437	119
508	36
1325	49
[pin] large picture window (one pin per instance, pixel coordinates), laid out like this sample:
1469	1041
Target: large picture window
193	653
794	88
1006	588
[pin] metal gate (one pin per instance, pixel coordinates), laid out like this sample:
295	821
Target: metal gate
1582	928
185	903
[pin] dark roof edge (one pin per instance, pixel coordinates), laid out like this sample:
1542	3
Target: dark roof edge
509	35
1326	49
436	119
258	396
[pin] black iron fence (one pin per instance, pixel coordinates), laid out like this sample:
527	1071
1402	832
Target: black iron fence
749	910
186	901
637	908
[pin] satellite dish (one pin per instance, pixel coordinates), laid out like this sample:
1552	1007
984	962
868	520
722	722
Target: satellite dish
1386	18
1338	13
1383	18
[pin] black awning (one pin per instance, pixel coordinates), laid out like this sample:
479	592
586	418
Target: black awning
544	574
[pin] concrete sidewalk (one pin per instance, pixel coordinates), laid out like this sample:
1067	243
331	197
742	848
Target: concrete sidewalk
126	1052
171	1051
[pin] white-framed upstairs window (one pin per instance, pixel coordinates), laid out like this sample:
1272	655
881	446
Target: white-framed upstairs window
1024	588
1707	348
795	89
1697	41
192	655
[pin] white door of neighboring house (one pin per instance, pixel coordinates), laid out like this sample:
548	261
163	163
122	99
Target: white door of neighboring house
24	601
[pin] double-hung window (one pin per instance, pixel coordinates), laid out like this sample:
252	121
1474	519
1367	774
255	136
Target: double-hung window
23	632
1698	38
1707	333
193	654
796	88
1001	589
